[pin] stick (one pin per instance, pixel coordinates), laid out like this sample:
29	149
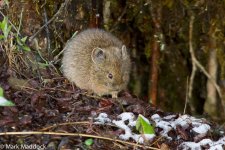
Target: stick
49	21
77	134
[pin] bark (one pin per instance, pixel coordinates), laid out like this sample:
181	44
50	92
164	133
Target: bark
156	12
96	9
211	104
106	13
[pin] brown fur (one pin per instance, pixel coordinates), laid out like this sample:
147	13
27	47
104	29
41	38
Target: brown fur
91	56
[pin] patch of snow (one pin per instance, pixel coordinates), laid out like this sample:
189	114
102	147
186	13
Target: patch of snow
190	145
128	116
183	121
156	117
205	141
169	117
213	145
202	129
102	119
120	123
140	138
127	122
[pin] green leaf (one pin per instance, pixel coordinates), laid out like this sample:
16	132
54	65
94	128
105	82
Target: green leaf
6	33
24	39
43	64
5	102
89	142
144	126
18	41
5	28
4	21
1	92
26	48
1	37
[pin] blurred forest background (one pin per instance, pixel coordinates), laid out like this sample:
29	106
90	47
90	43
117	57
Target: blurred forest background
177	46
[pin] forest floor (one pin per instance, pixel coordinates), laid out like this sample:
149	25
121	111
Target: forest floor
52	114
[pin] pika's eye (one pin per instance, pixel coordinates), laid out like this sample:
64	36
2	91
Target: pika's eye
110	76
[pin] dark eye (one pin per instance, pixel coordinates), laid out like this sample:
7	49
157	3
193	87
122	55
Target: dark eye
110	76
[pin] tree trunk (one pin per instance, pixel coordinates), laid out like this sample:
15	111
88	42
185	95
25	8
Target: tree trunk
156	13
211	104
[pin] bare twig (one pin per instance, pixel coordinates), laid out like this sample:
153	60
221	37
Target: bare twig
66	123
119	19
186	98
194	68
196	64
63	5
79	135
21	17
47	33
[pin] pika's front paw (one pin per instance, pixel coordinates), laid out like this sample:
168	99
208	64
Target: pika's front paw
114	94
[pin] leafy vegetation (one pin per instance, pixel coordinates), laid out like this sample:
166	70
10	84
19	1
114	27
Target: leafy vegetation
144	126
4	101
7	33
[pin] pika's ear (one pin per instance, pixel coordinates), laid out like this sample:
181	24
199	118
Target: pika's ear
98	55
124	52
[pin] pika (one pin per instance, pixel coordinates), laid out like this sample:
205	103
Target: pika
97	61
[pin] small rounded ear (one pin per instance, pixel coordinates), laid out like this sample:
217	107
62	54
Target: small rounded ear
98	55
124	52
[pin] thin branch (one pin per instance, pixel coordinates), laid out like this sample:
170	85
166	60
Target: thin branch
63	5
79	135
119	19
21	17
213	82
186	97
194	68
47	33
64	124
196	64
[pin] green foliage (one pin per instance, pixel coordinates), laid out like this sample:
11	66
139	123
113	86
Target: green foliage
89	142
4	101
1	92
21	43
143	125
5	28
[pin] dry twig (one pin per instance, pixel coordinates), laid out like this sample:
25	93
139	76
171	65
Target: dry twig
79	135
63	5
196	64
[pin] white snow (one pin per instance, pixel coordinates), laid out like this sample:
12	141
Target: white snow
127	116
202	129
127	122
185	121
130	120
217	145
102	119
169	117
